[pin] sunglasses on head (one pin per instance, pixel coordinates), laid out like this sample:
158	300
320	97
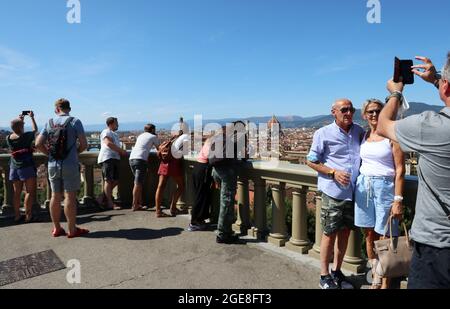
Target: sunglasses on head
345	110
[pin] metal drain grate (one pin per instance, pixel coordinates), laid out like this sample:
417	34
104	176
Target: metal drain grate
29	266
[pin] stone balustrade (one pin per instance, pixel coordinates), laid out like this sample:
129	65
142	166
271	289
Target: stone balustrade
264	176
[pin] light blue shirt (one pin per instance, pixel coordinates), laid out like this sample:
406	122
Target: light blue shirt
75	129
338	150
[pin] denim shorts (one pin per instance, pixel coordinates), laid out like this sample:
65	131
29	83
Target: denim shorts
374	197
139	169
22	174
64	178
336	215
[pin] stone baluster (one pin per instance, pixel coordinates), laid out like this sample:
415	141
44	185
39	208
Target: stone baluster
315	251
278	235
260	209
353	260
7	207
299	241
243	210
89	198
48	190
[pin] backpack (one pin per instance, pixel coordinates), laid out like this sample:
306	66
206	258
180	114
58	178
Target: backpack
214	160
57	140
165	150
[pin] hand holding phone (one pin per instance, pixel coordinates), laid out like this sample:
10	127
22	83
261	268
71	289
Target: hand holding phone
26	113
403	71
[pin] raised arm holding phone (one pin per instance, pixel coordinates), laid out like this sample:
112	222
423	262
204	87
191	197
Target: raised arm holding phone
426	134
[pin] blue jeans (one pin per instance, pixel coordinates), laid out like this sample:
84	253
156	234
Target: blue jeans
227	177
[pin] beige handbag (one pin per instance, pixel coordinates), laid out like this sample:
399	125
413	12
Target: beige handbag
394	254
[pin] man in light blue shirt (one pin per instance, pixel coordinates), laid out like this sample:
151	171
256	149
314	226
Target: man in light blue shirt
64	172
335	156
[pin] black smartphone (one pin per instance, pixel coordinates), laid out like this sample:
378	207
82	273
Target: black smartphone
26	113
403	68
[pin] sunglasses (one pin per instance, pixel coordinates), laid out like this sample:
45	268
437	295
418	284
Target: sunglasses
345	110
374	112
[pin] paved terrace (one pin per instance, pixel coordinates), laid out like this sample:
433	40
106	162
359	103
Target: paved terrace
136	250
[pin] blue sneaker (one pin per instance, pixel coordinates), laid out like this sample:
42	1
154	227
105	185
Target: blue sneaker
196	227
328	283
341	280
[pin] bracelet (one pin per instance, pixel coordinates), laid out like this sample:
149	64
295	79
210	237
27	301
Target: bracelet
438	77
398	198
436	83
395	94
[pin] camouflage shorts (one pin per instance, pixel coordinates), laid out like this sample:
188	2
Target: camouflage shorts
336	215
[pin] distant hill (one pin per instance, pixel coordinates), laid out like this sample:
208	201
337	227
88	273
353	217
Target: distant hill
286	121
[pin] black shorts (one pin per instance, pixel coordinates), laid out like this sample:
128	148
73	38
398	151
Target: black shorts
139	169
430	268
110	170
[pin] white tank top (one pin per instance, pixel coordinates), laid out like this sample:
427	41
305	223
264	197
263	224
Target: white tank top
377	159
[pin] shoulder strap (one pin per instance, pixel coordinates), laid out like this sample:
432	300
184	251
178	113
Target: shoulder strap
441	203
68	120
51	124
444	114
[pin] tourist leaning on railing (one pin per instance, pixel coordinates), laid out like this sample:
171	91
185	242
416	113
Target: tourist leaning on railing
379	188
427	134
22	167
139	162
109	160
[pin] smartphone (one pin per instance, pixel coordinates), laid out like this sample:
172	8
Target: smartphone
403	68
26	113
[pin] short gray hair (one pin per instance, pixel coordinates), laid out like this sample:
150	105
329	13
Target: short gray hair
446	69
368	102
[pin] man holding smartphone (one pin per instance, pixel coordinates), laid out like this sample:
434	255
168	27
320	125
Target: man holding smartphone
427	134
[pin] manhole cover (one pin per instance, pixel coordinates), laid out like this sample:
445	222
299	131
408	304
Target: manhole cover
29	266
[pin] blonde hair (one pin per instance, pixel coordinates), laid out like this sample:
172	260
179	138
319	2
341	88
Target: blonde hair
368	102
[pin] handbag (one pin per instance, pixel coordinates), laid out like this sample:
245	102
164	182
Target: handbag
394	254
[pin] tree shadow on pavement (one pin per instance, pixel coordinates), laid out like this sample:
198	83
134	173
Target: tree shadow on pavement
136	234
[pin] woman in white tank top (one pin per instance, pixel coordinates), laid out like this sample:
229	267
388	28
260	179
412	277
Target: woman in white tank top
379	188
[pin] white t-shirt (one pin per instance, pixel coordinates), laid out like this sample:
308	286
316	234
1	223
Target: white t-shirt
181	146
107	153
145	142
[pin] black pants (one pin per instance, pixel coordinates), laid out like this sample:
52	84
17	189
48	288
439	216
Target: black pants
430	268
202	180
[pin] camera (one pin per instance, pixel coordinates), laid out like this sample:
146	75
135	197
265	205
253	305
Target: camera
403	68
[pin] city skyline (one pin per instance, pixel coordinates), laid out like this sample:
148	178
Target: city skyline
153	61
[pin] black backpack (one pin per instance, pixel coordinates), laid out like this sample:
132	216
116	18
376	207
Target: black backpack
57	140
213	160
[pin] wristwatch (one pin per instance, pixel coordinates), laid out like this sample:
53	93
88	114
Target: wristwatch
331	174
398	198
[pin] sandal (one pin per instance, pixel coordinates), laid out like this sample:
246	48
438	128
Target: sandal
140	208
58	232
78	232
162	215
174	213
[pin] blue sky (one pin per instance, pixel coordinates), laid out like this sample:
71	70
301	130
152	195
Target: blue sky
154	60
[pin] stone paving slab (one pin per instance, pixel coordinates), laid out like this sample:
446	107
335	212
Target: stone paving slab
135	250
